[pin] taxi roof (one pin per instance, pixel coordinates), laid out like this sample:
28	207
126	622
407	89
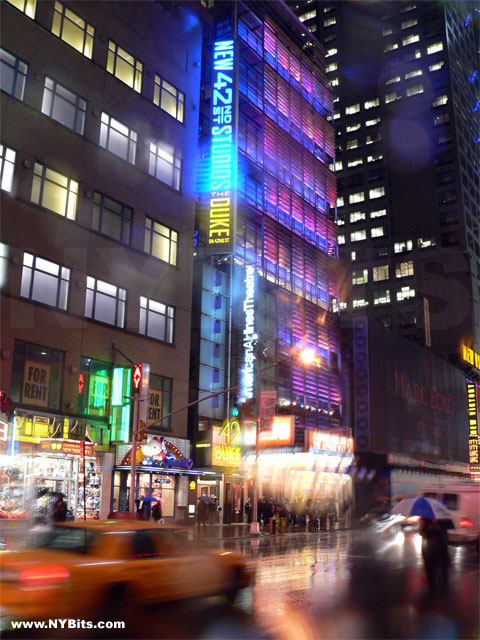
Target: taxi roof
114	524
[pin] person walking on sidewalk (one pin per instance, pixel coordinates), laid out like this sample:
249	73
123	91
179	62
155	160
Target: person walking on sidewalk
201	513
248	510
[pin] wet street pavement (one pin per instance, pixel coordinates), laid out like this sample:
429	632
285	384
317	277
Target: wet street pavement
326	585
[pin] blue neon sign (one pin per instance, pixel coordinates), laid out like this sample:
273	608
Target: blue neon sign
249	335
222	159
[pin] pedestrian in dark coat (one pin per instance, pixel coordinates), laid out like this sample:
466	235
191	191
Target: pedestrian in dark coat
202	514
435	554
248	510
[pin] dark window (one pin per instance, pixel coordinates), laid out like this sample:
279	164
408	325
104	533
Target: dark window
450	500
72	539
112	218
165	387
142	545
13	74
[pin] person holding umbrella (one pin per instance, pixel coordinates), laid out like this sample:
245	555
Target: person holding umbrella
434	517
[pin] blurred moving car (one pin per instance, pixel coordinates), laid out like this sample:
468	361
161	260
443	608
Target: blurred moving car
99	567
463	502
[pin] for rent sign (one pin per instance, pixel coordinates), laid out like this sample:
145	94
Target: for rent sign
36	383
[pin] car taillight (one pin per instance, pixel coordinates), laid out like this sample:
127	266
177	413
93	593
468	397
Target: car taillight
465	522
43	574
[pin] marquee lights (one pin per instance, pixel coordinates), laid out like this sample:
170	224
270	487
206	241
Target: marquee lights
249	335
222	151
473	419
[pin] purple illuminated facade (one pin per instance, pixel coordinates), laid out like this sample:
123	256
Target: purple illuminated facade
284	227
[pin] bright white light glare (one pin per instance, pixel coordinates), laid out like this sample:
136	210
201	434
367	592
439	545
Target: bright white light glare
307	356
3	263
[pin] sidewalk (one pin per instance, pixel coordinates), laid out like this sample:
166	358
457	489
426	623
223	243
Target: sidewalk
235	530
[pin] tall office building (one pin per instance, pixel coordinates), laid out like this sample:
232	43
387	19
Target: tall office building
407	119
267	272
98	151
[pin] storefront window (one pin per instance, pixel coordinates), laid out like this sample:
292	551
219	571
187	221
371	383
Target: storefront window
160	486
37	375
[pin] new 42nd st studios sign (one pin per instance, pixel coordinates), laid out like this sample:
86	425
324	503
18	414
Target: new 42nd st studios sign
221	234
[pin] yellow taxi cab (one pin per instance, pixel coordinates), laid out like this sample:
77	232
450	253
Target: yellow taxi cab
90	567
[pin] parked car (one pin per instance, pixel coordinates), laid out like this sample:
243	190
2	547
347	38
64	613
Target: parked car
463	501
98	567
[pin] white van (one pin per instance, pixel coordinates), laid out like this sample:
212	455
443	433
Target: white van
463	502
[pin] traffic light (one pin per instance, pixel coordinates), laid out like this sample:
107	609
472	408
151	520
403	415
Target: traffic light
235	411
141	378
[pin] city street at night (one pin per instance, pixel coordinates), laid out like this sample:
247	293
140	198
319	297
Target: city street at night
317	585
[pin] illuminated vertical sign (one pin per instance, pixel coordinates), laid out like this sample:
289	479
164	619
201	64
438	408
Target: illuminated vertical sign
249	335
472	409
222	159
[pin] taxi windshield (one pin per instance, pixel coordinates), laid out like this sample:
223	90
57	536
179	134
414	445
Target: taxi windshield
74	539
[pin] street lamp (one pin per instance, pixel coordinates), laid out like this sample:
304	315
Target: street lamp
308	357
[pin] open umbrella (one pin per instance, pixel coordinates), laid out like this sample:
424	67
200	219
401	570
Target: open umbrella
423	507
149	499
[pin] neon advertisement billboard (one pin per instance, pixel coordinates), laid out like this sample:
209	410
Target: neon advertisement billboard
249	335
222	160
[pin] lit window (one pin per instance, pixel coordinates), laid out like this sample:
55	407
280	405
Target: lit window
357	236
334	82
64	106
357	216
434	48
340	221
381	273
105	302
7	166
424	243
336	115
382	296
438	102
405	245
360	276
405	293
353	108
372	122
353	256
437	66
376	192
13	74
352	127
329	21
370	104
160	241
387	31
26	6
312	27
410	39
343	306
330	52
375	157
413	74
45	281
112	218
338	165
70	28
409	7
352	144
165	165
377	232
379	213
393	80
359	302
404	269
156	320
412	91
54	191
390	47
340	201
391	97
124	66
355	162
409	23
328	8
118	138
333	66
169	99
376	137
307	16
341	239
359	196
